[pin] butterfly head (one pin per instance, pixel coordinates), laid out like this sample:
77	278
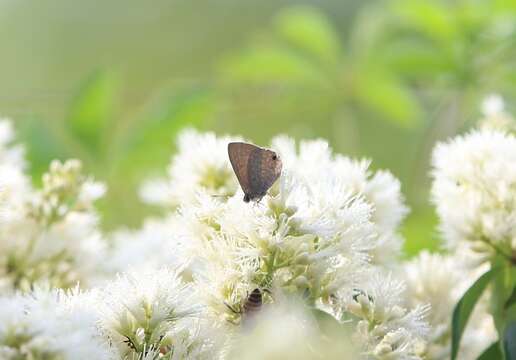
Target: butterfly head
275	158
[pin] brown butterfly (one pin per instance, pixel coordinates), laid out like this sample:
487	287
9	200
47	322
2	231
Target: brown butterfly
256	168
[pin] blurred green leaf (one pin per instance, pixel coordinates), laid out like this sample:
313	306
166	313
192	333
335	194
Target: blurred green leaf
93	109
504	315
310	30
367	32
492	352
465	307
509	341
272	65
149	142
415	58
387	96
504	6
511	300
43	145
432	18
418	230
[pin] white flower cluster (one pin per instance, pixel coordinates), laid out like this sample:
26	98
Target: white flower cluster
151	314
211	278
474	194
474	188
440	281
201	165
49	234
51	325
326	229
139	316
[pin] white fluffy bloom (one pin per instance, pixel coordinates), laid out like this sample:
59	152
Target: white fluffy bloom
15	193
156	191
322	233
91	191
386	329
474	190
334	177
311	234
10	153
200	165
151	247
237	247
154	312
440	281
51	324
495	116
49	235
492	105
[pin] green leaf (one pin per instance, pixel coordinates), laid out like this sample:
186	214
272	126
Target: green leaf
93	109
271	65
310	30
509	341
492	352
43	144
465	307
148	143
503	287
415	58
431	18
387	96
511	300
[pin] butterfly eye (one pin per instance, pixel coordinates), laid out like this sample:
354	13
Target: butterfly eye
274	157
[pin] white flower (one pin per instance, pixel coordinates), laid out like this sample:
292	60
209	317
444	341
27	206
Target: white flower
386	329
311	234
474	190
10	153
151	247
156	192
440	281
91	191
154	311
201	165
54	324
6	132
49	235
330	181
383	190
495	116
492	105
238	247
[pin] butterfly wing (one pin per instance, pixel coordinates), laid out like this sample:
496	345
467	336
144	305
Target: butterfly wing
256	168
268	170
239	154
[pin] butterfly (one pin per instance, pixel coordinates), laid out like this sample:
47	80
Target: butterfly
256	168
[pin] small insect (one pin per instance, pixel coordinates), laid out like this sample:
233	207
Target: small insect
256	168
252	304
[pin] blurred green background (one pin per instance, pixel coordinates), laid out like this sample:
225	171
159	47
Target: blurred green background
111	82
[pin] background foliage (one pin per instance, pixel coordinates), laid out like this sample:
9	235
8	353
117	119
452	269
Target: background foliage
112	82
